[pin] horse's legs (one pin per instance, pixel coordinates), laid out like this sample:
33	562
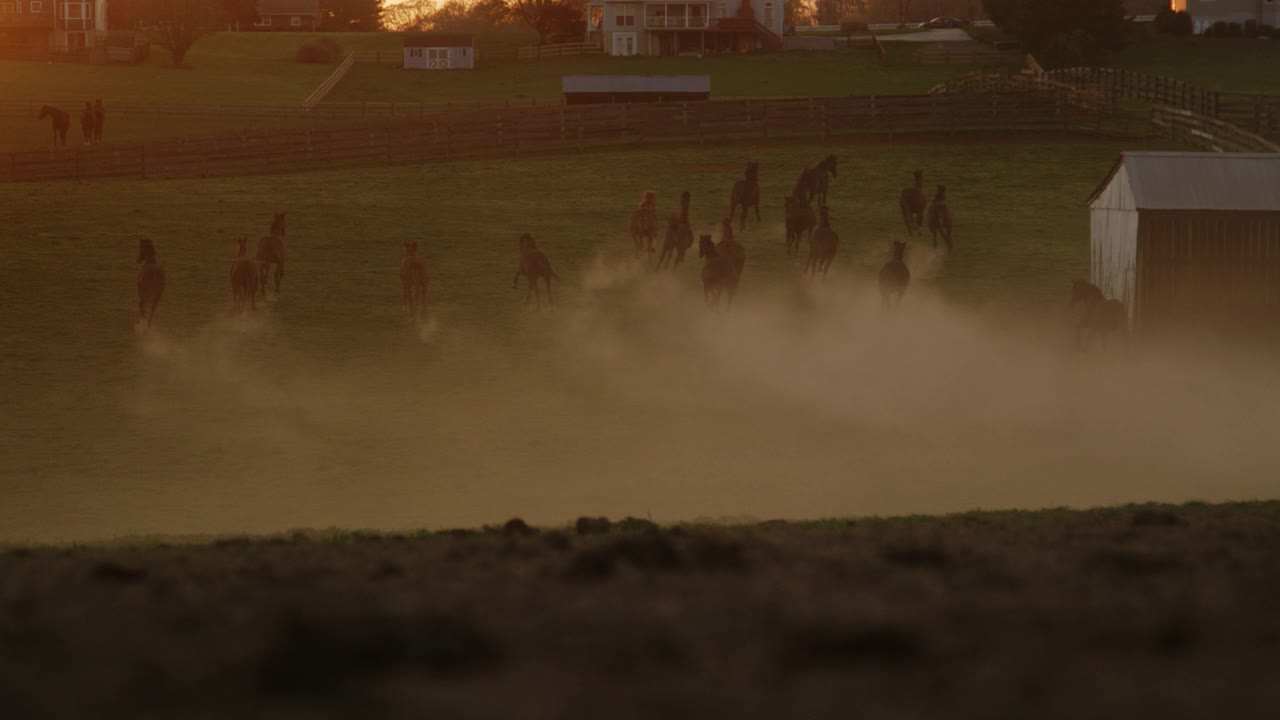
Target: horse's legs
551	300
279	276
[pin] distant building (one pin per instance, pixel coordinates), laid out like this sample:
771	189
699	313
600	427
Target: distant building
36	28
1204	13
439	51
635	27
283	16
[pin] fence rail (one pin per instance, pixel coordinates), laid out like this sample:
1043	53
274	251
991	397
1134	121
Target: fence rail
557	128
1192	128
537	52
969	54
330	82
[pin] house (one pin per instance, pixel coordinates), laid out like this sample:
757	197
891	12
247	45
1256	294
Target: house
1204	13
1184	237
637	27
37	28
594	89
285	16
439	51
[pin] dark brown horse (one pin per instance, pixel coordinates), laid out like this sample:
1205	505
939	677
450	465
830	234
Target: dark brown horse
813	181
730	248
150	281
644	223
1101	317
894	278
271	251
86	123
719	276
747	194
413	279
244	276
679	235
534	265
822	248
800	223
911	202
60	120
940	217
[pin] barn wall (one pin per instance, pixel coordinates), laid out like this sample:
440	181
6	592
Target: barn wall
1113	241
1212	267
1117	195
462	58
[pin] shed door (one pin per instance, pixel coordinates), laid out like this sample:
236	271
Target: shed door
438	58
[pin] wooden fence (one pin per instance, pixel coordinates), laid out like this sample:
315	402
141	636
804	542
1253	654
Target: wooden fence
537	52
1025	81
968	54
330	82
1192	128
557	128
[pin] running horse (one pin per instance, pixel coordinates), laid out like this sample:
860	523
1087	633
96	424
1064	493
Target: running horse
61	121
746	193
894	278
911	202
150	281
413	279
1102	317
813	182
271	251
940	217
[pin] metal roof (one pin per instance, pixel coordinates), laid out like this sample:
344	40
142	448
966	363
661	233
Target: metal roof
437	40
636	83
1246	182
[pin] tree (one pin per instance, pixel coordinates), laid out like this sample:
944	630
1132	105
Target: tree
1059	33
351	15
244	12
174	25
451	16
549	17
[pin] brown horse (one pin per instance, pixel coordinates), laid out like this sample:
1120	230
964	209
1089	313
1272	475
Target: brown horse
150	281
99	119
679	235
244	276
534	265
813	182
644	223
86	123
729	248
822	249
271	251
912	202
747	194
60	120
940	217
894	278
719	276
413	279
800	223
1101	318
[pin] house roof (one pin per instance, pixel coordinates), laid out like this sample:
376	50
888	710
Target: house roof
288	7
636	83
438	40
1245	182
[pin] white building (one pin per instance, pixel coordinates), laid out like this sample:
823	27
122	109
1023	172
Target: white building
639	27
439	51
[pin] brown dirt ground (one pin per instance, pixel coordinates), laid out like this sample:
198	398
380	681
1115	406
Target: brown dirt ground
1141	611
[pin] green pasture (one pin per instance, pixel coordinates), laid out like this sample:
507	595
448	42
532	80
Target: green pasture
1236	65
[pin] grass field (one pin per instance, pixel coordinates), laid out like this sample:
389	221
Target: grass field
330	408
1146	611
1226	65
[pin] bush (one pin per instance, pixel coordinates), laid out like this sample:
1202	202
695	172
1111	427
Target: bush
324	50
1235	30
1169	22
1251	28
1266	31
850	24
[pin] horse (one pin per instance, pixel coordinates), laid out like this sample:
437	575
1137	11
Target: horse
679	235
940	217
150	281
60	120
244	276
99	119
894	278
730	248
271	251
747	194
1102	317
86	123
719	275
413	279
911	201
822	248
644	222
800	222
813	181
534	265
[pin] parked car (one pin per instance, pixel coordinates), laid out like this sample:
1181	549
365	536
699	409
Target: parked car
945	22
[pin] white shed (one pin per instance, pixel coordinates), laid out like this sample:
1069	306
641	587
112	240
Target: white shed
1181	236
439	51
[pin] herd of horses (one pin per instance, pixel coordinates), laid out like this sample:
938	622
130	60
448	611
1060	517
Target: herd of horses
723	261
92	118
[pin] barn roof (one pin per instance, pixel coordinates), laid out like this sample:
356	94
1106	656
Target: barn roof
437	40
1247	182
636	83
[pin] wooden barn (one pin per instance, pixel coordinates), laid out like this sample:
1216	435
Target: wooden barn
439	51
1189	238
596	89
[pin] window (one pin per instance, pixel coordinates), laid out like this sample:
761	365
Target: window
37	6
625	16
595	16
8	8
724	10
264	21
697	16
295	21
415	52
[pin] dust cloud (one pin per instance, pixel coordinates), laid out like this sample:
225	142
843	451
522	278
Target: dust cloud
631	398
